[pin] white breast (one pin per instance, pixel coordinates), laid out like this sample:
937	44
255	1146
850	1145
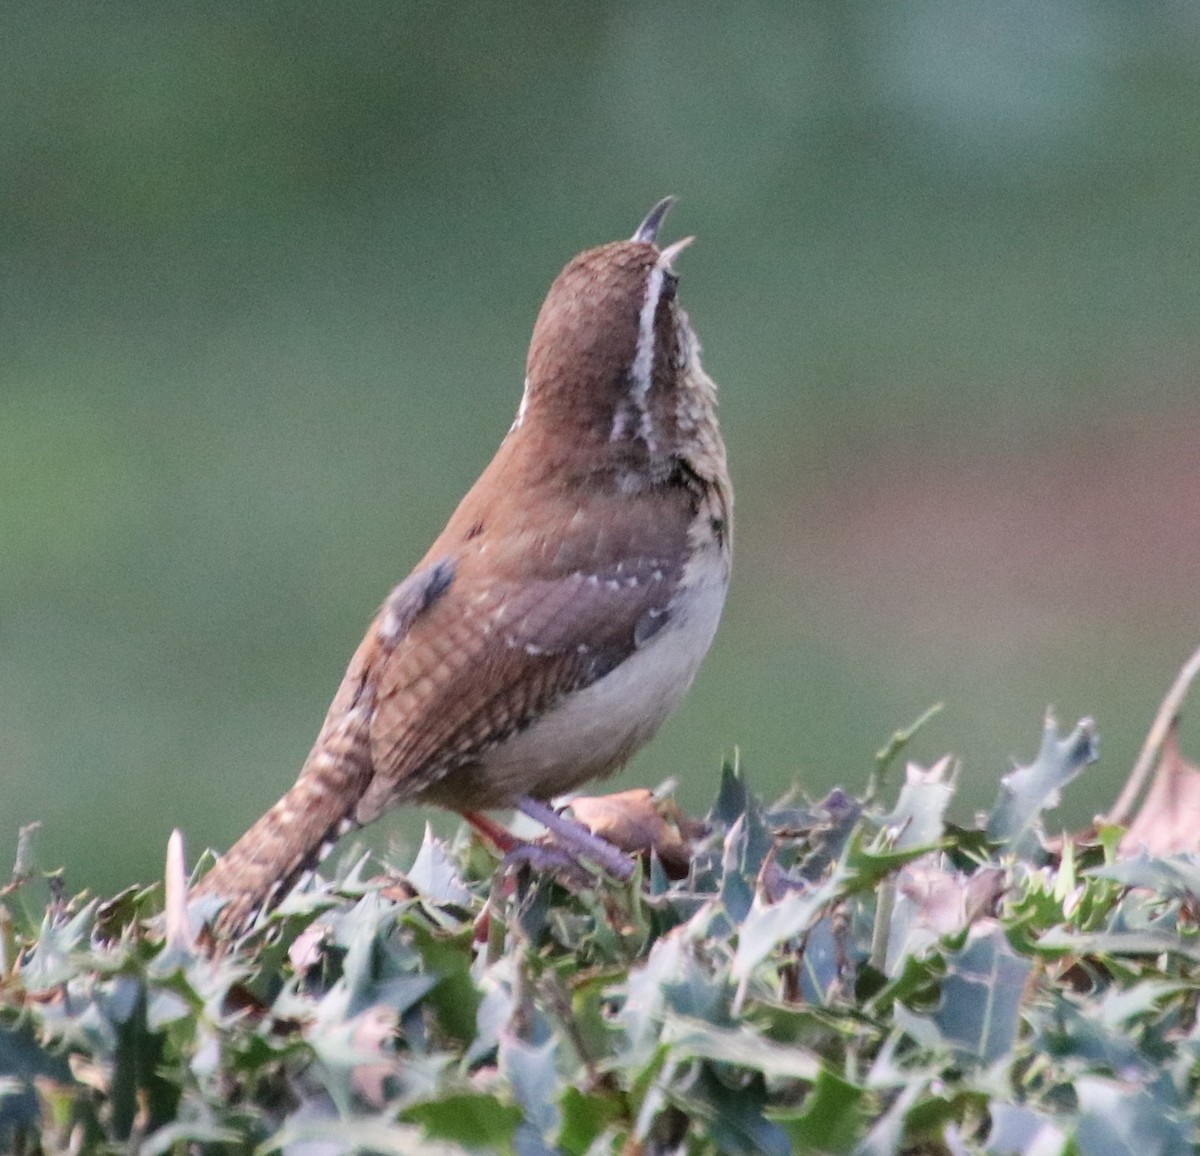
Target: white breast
597	729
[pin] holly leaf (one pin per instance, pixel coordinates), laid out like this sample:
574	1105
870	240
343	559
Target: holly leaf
1016	820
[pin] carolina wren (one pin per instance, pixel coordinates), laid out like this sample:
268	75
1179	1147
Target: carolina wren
565	608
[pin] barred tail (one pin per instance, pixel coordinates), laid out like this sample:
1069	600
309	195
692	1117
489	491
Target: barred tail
297	832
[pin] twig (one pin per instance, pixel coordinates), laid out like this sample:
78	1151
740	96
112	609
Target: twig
1151	748
23	867
887	754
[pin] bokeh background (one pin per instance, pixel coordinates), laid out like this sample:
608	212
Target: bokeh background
267	273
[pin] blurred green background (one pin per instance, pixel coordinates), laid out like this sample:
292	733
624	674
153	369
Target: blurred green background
267	274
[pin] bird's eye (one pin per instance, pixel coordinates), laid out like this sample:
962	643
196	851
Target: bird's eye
669	284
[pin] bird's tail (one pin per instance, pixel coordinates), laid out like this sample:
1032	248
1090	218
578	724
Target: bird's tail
297	832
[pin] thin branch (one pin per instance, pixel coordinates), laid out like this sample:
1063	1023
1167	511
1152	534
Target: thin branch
1168	712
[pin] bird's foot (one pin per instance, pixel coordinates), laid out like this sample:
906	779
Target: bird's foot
576	841
547	858
572	842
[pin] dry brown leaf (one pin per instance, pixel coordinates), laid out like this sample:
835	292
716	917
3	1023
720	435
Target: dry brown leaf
1166	719
1169	819
637	823
308	947
374	1031
947	901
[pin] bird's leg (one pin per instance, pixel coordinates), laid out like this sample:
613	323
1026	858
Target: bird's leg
495	833
577	839
540	856
545	858
573	838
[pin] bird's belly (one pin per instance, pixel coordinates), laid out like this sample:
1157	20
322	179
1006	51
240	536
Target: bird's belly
595	730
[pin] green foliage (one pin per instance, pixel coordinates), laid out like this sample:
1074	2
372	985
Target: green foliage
831	977
268	274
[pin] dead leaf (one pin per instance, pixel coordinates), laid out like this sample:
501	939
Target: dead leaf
1169	819
638	823
309	946
947	901
374	1032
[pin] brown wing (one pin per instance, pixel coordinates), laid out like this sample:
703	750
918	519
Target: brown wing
485	662
551	607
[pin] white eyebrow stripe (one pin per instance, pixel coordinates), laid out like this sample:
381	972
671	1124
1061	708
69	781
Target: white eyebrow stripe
643	358
521	408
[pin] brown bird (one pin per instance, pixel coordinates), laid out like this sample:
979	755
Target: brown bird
563	611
